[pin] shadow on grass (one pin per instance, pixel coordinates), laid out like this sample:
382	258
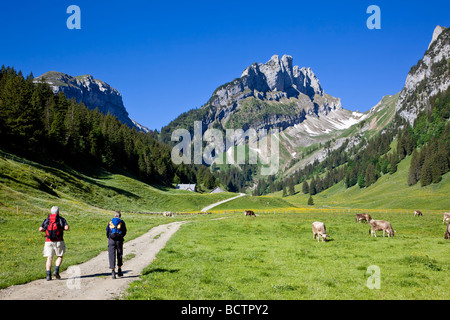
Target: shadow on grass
160	270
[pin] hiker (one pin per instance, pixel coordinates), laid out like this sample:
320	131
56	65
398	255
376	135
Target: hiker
54	226
115	232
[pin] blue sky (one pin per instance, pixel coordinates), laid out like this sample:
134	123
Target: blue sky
167	57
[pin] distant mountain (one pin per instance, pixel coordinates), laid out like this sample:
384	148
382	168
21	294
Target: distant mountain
92	92
275	94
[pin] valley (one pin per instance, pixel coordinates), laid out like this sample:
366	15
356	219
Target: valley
69	141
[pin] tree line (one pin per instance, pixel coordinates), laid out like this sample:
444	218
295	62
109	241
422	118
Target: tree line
431	133
37	123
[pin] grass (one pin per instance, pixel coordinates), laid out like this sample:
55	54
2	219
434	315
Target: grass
22	181
271	256
28	190
253	203
274	257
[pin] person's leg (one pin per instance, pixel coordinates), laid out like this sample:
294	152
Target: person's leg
48	264
48	267
57	265
119	257
58	261
112	256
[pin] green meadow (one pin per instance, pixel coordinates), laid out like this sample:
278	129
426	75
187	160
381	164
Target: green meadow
28	190
225	255
274	256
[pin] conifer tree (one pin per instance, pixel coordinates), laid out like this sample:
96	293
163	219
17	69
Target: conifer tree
291	188
305	187
414	169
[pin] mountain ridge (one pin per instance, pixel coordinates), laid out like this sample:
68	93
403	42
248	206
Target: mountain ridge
275	94
94	93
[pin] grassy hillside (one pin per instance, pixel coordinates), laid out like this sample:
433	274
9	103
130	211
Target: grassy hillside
28	190
26	183
388	192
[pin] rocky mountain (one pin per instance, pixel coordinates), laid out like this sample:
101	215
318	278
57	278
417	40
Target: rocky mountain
274	94
428	77
92	92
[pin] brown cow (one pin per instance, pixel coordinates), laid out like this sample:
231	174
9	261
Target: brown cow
318	229
377	225
360	217
249	213
363	217
418	213
446	217
447	233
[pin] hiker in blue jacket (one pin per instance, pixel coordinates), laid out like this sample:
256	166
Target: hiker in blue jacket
115	232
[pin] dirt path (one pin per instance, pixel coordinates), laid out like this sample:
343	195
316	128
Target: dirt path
220	202
92	280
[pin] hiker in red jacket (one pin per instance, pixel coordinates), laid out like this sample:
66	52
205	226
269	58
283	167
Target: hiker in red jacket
54	226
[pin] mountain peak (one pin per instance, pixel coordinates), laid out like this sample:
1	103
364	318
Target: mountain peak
429	77
437	31
92	92
279	75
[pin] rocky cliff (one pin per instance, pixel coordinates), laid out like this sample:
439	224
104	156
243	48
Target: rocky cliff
92	92
267	95
430	76
274	81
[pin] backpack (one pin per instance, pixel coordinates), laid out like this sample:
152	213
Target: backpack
54	230
115	229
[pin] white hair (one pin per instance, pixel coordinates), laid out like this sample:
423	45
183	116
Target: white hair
55	210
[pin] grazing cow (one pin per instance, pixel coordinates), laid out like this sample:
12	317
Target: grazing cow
418	213
249	213
363	217
447	233
360	217
168	214
377	225
446	217
367	216
318	229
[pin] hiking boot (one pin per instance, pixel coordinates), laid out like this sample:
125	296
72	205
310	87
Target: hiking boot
114	274
119	272
56	274
49	277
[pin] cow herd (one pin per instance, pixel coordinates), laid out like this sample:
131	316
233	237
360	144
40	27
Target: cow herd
319	229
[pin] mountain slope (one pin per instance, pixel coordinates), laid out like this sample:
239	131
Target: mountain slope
374	162
33	185
275	94
428	77
92	92
271	95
